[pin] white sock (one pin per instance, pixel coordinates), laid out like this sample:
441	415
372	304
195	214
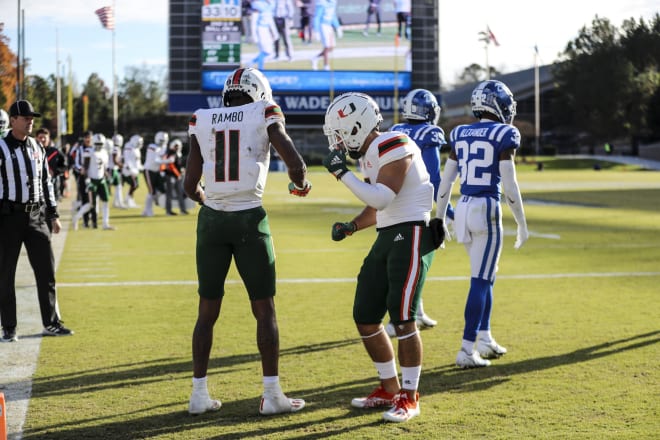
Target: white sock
467	346
272	384
386	370
410	377
484	335
199	384
106	214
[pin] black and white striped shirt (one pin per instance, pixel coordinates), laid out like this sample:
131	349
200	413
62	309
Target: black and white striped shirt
24	175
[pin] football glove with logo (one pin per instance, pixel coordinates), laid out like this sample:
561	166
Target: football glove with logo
341	230
298	191
335	162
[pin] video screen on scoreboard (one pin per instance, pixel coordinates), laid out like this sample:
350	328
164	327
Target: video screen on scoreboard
374	59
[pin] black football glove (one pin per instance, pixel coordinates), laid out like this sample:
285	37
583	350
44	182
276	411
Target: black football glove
335	162
341	230
437	231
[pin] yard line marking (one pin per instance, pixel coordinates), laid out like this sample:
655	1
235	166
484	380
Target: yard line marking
350	280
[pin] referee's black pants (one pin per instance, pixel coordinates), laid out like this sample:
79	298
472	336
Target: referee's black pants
17	228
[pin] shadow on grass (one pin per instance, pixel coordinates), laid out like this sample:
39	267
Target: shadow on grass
449	378
237	415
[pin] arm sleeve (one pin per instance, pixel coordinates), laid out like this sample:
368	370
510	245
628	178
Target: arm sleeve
446	184
377	196
512	191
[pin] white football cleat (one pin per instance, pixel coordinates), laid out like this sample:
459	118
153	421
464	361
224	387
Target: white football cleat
424	321
201	402
465	360
490	349
278	404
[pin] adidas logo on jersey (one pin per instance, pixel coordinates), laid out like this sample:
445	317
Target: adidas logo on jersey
398	237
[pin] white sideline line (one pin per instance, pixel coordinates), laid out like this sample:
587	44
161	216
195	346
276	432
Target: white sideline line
350	280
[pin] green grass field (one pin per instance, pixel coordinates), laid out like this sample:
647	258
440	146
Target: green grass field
577	307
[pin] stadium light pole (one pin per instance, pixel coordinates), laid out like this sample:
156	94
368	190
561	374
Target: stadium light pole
58	85
115	111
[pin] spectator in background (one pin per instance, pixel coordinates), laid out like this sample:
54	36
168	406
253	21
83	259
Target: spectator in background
246	21
402	9
372	9
265	30
326	24
305	20
283	20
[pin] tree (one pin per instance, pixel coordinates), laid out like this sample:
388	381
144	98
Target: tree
99	106
606	81
7	73
41	93
476	73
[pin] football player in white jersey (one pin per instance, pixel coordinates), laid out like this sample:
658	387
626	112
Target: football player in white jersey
398	196
482	154
230	151
95	164
114	165
153	161
132	167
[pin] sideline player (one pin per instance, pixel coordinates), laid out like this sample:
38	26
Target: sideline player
483	154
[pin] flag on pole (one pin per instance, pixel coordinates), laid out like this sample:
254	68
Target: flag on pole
107	17
491	36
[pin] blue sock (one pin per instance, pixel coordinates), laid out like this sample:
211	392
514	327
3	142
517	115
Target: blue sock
488	309
474	308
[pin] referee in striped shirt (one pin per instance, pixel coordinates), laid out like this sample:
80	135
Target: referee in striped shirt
28	214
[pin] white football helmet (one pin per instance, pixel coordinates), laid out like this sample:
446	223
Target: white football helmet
136	141
4	122
249	81
98	140
176	145
118	140
421	105
161	138
349	120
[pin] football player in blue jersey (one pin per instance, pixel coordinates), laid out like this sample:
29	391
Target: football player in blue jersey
422	112
482	154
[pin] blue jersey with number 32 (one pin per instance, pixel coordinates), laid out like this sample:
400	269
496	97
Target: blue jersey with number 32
478	147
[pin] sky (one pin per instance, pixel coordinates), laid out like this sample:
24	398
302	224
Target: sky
70	30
